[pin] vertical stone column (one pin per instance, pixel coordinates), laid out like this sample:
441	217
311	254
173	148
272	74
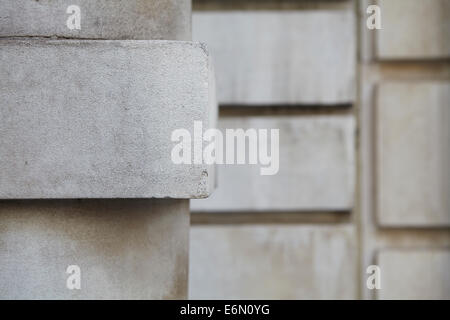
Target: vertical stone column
126	249
405	149
85	148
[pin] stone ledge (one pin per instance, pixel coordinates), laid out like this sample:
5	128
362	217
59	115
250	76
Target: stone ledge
93	119
100	19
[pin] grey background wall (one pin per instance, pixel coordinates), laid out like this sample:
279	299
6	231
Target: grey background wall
364	151
404	146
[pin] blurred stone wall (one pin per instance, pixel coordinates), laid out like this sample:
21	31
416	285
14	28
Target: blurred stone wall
364	151
404	108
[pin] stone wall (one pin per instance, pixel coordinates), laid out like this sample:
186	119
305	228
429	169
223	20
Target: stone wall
289	65
364	151
404	149
364	173
88	189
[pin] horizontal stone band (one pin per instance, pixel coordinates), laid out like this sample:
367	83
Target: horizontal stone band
99	19
93	119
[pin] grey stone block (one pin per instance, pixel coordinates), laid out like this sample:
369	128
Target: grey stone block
281	57
93	119
125	249
316	168
414	274
413	154
272	262
414	29
100	19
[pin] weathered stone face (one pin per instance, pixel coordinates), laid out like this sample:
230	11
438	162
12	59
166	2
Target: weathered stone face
414	274
272	262
414	29
316	170
93	119
413	154
126	249
100	19
281	57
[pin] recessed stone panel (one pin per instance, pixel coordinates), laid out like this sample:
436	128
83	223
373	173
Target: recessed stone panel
272	262
413	154
414	29
316	167
414	274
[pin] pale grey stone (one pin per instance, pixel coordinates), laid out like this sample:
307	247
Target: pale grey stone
414	29
93	119
413	154
316	170
414	274
281	57
100	19
126	249
212	5
272	262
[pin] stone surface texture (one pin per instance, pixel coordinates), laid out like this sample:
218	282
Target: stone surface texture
126	249
93	119
100	19
272	262
413	154
316	170
414	274
280	57
414	30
